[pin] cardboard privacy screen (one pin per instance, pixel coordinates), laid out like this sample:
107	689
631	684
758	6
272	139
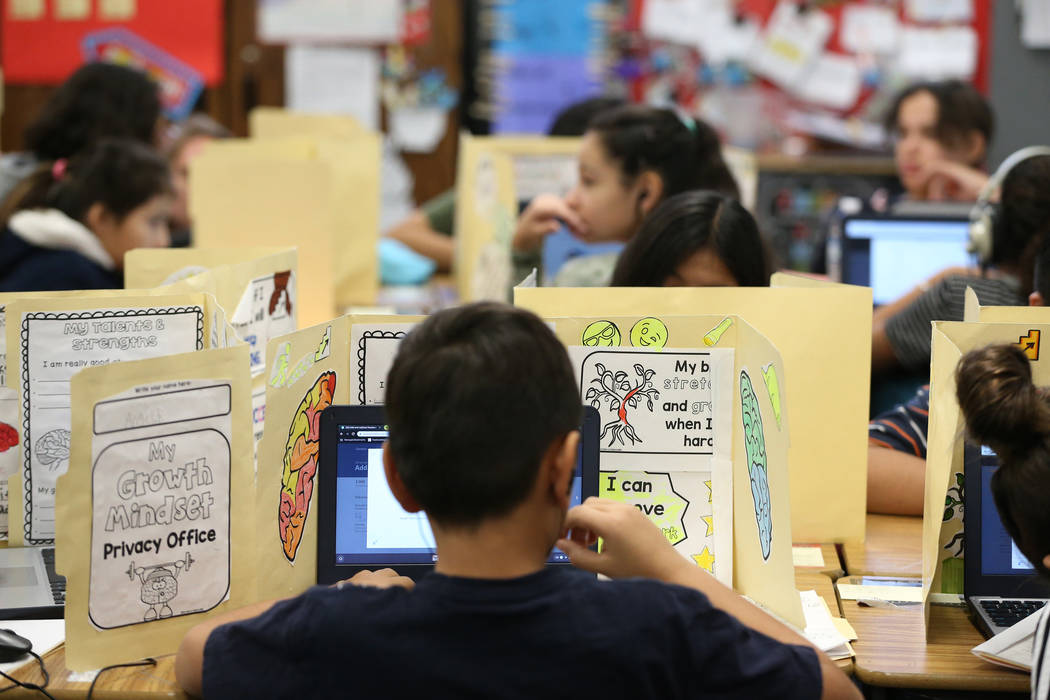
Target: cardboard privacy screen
823	334
943	548
154	517
694	418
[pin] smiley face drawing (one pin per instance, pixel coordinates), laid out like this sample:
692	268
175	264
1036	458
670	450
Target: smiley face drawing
603	334
649	333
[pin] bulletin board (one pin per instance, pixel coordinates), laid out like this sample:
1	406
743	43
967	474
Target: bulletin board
861	53
190	30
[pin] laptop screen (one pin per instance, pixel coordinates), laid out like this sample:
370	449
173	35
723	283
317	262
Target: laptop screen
999	554
370	525
893	255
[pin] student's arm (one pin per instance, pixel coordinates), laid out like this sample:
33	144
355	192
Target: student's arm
634	546
895	482
415	232
544	215
189	661
950	181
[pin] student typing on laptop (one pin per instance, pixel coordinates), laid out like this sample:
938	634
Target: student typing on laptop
1007	412
483	410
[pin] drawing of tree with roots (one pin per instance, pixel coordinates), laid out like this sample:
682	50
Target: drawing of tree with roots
620	393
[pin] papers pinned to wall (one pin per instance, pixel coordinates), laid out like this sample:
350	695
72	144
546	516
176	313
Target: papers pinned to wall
834	81
792	41
949	52
869	29
940	10
333	80
350	21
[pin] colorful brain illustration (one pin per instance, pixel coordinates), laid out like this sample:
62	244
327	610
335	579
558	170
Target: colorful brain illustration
755	445
8	437
300	463
52	450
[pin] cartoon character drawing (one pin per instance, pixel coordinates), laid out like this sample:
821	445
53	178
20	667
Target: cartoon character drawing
601	334
300	463
716	333
610	385
159	585
8	437
649	333
755	445
52	449
280	289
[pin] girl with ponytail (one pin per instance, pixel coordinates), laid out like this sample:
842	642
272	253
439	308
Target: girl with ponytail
631	159
1006	411
68	225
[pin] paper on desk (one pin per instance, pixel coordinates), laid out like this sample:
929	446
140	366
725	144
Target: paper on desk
940	10
44	634
888	594
869	29
807	555
949	52
819	626
1013	646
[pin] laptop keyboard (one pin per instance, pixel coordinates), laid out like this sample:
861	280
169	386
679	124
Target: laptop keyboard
58	583
1007	613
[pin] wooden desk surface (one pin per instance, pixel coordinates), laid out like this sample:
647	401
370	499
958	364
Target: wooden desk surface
892	650
892	547
116	684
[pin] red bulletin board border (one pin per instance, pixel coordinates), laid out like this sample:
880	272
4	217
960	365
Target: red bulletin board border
47	50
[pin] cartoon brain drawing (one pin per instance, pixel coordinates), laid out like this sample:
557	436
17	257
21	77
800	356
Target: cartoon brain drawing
52	449
300	463
755	446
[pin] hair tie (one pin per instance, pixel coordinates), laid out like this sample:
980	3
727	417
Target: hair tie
58	169
689	122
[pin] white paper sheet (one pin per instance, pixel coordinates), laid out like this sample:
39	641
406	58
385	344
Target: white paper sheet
333	80
346	21
940	10
869	29
834	81
417	129
949	52
373	348
1013	646
55	347
680	21
1035	24
160	489
807	556
819	628
792	41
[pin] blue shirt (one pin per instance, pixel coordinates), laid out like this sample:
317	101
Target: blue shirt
558	633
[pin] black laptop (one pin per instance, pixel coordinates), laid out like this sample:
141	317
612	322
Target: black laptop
361	525
1001	586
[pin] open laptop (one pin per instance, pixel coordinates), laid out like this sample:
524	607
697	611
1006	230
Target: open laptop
1001	586
893	254
29	587
360	524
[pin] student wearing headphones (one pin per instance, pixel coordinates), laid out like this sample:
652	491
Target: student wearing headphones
695	239
1007	412
492	620
1008	240
630	160
897	438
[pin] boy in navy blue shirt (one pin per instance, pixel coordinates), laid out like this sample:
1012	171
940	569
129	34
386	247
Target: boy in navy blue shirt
483	411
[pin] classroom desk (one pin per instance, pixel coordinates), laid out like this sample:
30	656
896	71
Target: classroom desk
115	684
810	580
892	547
832	566
892	651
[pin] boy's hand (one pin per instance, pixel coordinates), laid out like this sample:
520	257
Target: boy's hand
384	578
632	546
544	215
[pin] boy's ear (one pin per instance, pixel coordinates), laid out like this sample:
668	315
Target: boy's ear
397	486
562	461
1035	299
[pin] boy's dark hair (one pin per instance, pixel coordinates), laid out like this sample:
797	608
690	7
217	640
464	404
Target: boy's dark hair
961	110
475	397
686	157
573	120
1023	218
99	100
1006	411
120	174
685	223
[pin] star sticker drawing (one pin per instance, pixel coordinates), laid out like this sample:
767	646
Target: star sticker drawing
710	491
710	527
705	560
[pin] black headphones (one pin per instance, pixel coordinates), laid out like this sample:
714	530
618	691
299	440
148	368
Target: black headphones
984	215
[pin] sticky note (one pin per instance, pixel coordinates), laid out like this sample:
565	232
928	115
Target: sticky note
72	9
27	9
121	10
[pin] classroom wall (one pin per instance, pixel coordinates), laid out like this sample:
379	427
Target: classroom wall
1019	86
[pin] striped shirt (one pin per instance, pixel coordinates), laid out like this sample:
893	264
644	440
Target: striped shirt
1041	658
909	331
904	428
